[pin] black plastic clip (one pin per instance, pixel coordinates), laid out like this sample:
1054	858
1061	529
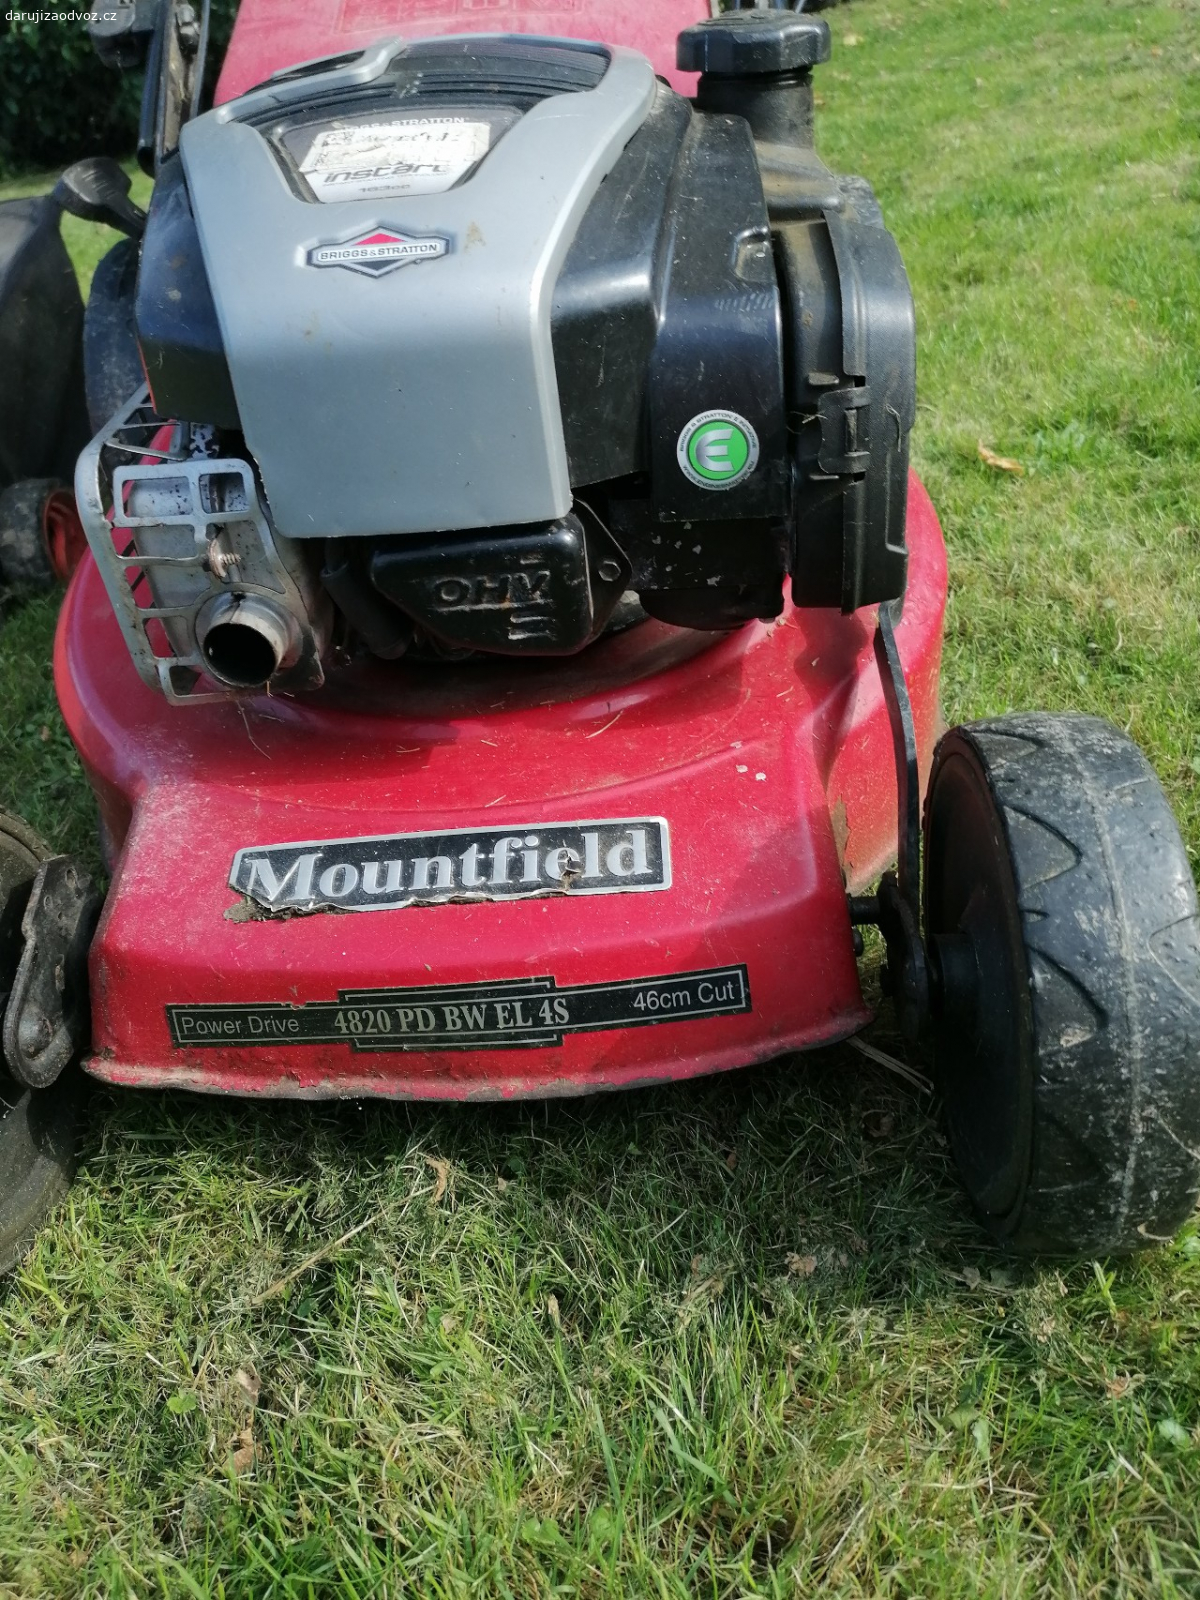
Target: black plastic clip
845	431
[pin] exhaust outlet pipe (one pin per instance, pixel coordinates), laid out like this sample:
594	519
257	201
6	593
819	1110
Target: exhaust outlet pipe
245	639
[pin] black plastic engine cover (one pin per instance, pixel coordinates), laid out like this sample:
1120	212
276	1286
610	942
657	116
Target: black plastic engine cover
851	398
534	591
720	342
668	305
176	318
608	302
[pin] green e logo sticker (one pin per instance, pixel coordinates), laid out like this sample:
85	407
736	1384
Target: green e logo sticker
717	449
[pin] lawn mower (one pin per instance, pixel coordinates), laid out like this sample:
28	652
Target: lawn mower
506	658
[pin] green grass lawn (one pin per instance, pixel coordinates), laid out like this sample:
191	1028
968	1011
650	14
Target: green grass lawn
741	1337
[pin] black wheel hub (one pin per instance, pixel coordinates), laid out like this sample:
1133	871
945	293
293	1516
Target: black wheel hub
981	1020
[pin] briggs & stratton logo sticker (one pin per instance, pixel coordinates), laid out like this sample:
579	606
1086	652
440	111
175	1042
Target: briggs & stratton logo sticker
717	450
379	250
408	869
508	1014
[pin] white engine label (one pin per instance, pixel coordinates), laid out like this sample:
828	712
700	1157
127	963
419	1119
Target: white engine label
387	160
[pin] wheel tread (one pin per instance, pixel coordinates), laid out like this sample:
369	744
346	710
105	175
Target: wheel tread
1113	945
24	560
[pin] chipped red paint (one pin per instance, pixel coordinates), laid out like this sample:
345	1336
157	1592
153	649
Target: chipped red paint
745	745
273	34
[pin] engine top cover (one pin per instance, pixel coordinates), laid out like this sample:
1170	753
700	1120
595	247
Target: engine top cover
382	238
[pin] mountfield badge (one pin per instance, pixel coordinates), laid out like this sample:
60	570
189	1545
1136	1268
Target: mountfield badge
420	869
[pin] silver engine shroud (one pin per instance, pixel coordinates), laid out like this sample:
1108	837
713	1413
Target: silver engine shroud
426	400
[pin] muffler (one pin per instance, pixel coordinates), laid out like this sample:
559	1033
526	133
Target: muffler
246	639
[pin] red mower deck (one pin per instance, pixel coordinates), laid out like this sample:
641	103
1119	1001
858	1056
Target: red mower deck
767	752
272	35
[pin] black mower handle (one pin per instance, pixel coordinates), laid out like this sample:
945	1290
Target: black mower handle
97	189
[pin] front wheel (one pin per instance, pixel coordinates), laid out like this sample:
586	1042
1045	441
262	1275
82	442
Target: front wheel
37	1126
1064	942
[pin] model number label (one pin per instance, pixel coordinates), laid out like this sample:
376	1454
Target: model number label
521	1013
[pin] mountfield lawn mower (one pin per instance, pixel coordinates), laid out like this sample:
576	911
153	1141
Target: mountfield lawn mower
507	653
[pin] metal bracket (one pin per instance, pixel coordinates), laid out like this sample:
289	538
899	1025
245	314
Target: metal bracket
169	513
904	741
47	1016
896	908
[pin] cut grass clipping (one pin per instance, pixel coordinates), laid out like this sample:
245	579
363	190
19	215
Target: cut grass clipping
739	1337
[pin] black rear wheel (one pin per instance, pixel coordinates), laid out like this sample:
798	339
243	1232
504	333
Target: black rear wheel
1064	941
25	563
37	1127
